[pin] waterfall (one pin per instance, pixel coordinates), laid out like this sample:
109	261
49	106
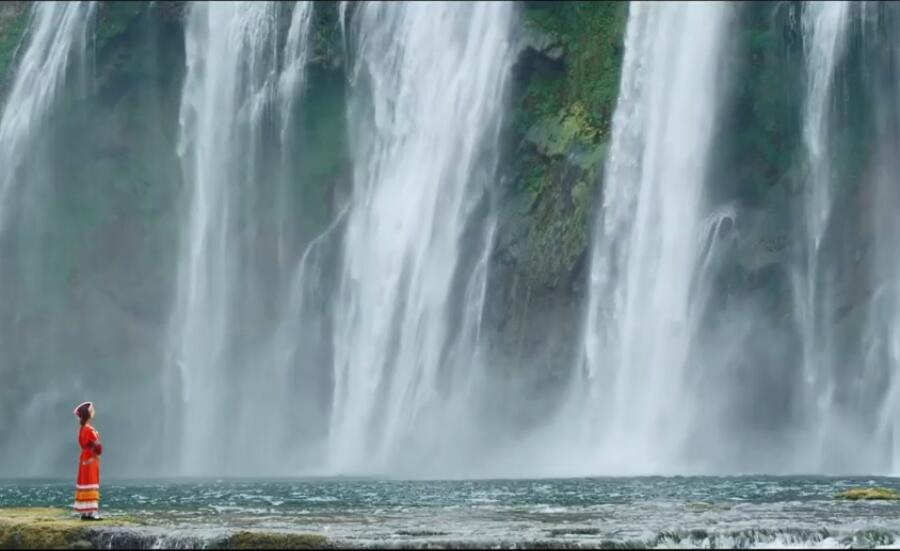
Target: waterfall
57	35
236	102
647	266
429	79
877	388
824	28
286	249
296	55
291	84
51	56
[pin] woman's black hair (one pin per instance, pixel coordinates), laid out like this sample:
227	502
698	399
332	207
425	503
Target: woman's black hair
84	413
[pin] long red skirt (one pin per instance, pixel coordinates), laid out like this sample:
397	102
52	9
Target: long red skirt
87	485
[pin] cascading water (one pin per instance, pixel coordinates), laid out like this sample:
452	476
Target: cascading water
58	36
237	102
291	83
429	83
50	64
824	27
296	55
873	433
645	302
743	308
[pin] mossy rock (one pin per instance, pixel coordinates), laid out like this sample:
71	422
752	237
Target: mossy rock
49	528
554	136
562	104
855	494
541	40
269	540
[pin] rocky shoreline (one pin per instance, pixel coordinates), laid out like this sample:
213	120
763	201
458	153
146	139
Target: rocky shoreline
51	528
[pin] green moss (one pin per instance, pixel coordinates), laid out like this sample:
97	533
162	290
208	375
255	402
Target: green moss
592	34
854	494
557	134
267	540
47	528
564	99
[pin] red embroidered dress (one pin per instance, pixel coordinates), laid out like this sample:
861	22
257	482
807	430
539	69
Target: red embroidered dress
87	485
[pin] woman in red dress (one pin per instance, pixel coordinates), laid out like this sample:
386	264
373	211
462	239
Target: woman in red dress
87	485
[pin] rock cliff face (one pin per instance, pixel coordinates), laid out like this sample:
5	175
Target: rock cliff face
564	93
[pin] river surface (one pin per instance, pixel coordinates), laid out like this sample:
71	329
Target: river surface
735	512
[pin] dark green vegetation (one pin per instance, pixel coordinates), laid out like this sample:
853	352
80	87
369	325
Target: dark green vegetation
565	91
563	97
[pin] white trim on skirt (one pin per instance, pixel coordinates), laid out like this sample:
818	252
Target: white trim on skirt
85	505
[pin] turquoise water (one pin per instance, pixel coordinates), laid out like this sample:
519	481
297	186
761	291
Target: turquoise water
738	512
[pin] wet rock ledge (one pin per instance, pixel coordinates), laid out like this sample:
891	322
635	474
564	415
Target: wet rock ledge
47	528
856	494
